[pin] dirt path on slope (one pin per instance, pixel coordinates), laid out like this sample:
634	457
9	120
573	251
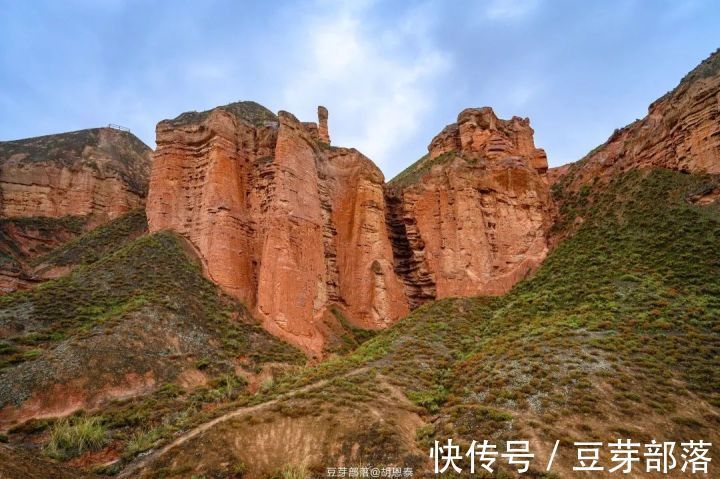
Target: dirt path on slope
147	460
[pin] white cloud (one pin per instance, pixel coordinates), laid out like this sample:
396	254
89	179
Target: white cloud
377	84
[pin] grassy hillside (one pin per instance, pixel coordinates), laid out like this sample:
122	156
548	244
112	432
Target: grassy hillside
138	341
617	335
98	242
24	239
416	171
250	111
151	272
35	248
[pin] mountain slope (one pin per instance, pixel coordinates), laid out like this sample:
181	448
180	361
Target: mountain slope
35	249
138	334
24	239
100	172
616	336
55	187
15	463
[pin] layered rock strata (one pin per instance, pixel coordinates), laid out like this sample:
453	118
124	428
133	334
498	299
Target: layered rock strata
54	187
101	172
680	132
471	216
308	235
281	220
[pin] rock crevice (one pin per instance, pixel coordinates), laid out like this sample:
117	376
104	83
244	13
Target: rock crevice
300	230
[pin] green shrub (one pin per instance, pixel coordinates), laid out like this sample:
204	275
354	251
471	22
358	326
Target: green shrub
431	400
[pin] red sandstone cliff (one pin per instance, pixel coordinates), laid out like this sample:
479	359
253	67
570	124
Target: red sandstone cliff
474	211
681	132
281	220
296	228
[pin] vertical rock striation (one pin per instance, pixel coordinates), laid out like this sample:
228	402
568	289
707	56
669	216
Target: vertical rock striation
210	171
368	287
298	229
283	221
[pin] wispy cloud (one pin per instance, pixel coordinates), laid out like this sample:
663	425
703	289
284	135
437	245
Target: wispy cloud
520	95
377	82
391	73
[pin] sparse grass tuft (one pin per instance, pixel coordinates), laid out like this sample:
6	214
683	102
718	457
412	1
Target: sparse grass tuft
142	440
70	438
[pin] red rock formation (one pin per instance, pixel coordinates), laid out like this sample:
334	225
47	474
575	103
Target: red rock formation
52	188
292	290
323	133
479	134
281	220
474	211
296	228
100	173
367	284
680	132
201	186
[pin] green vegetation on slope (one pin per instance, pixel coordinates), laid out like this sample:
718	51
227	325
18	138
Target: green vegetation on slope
29	246
350	337
45	233
249	111
617	334
152	271
102	240
623	318
415	172
144	309
632	300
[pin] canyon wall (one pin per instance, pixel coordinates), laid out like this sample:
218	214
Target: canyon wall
680	132
308	235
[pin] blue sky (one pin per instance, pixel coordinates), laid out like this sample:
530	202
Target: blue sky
391	73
